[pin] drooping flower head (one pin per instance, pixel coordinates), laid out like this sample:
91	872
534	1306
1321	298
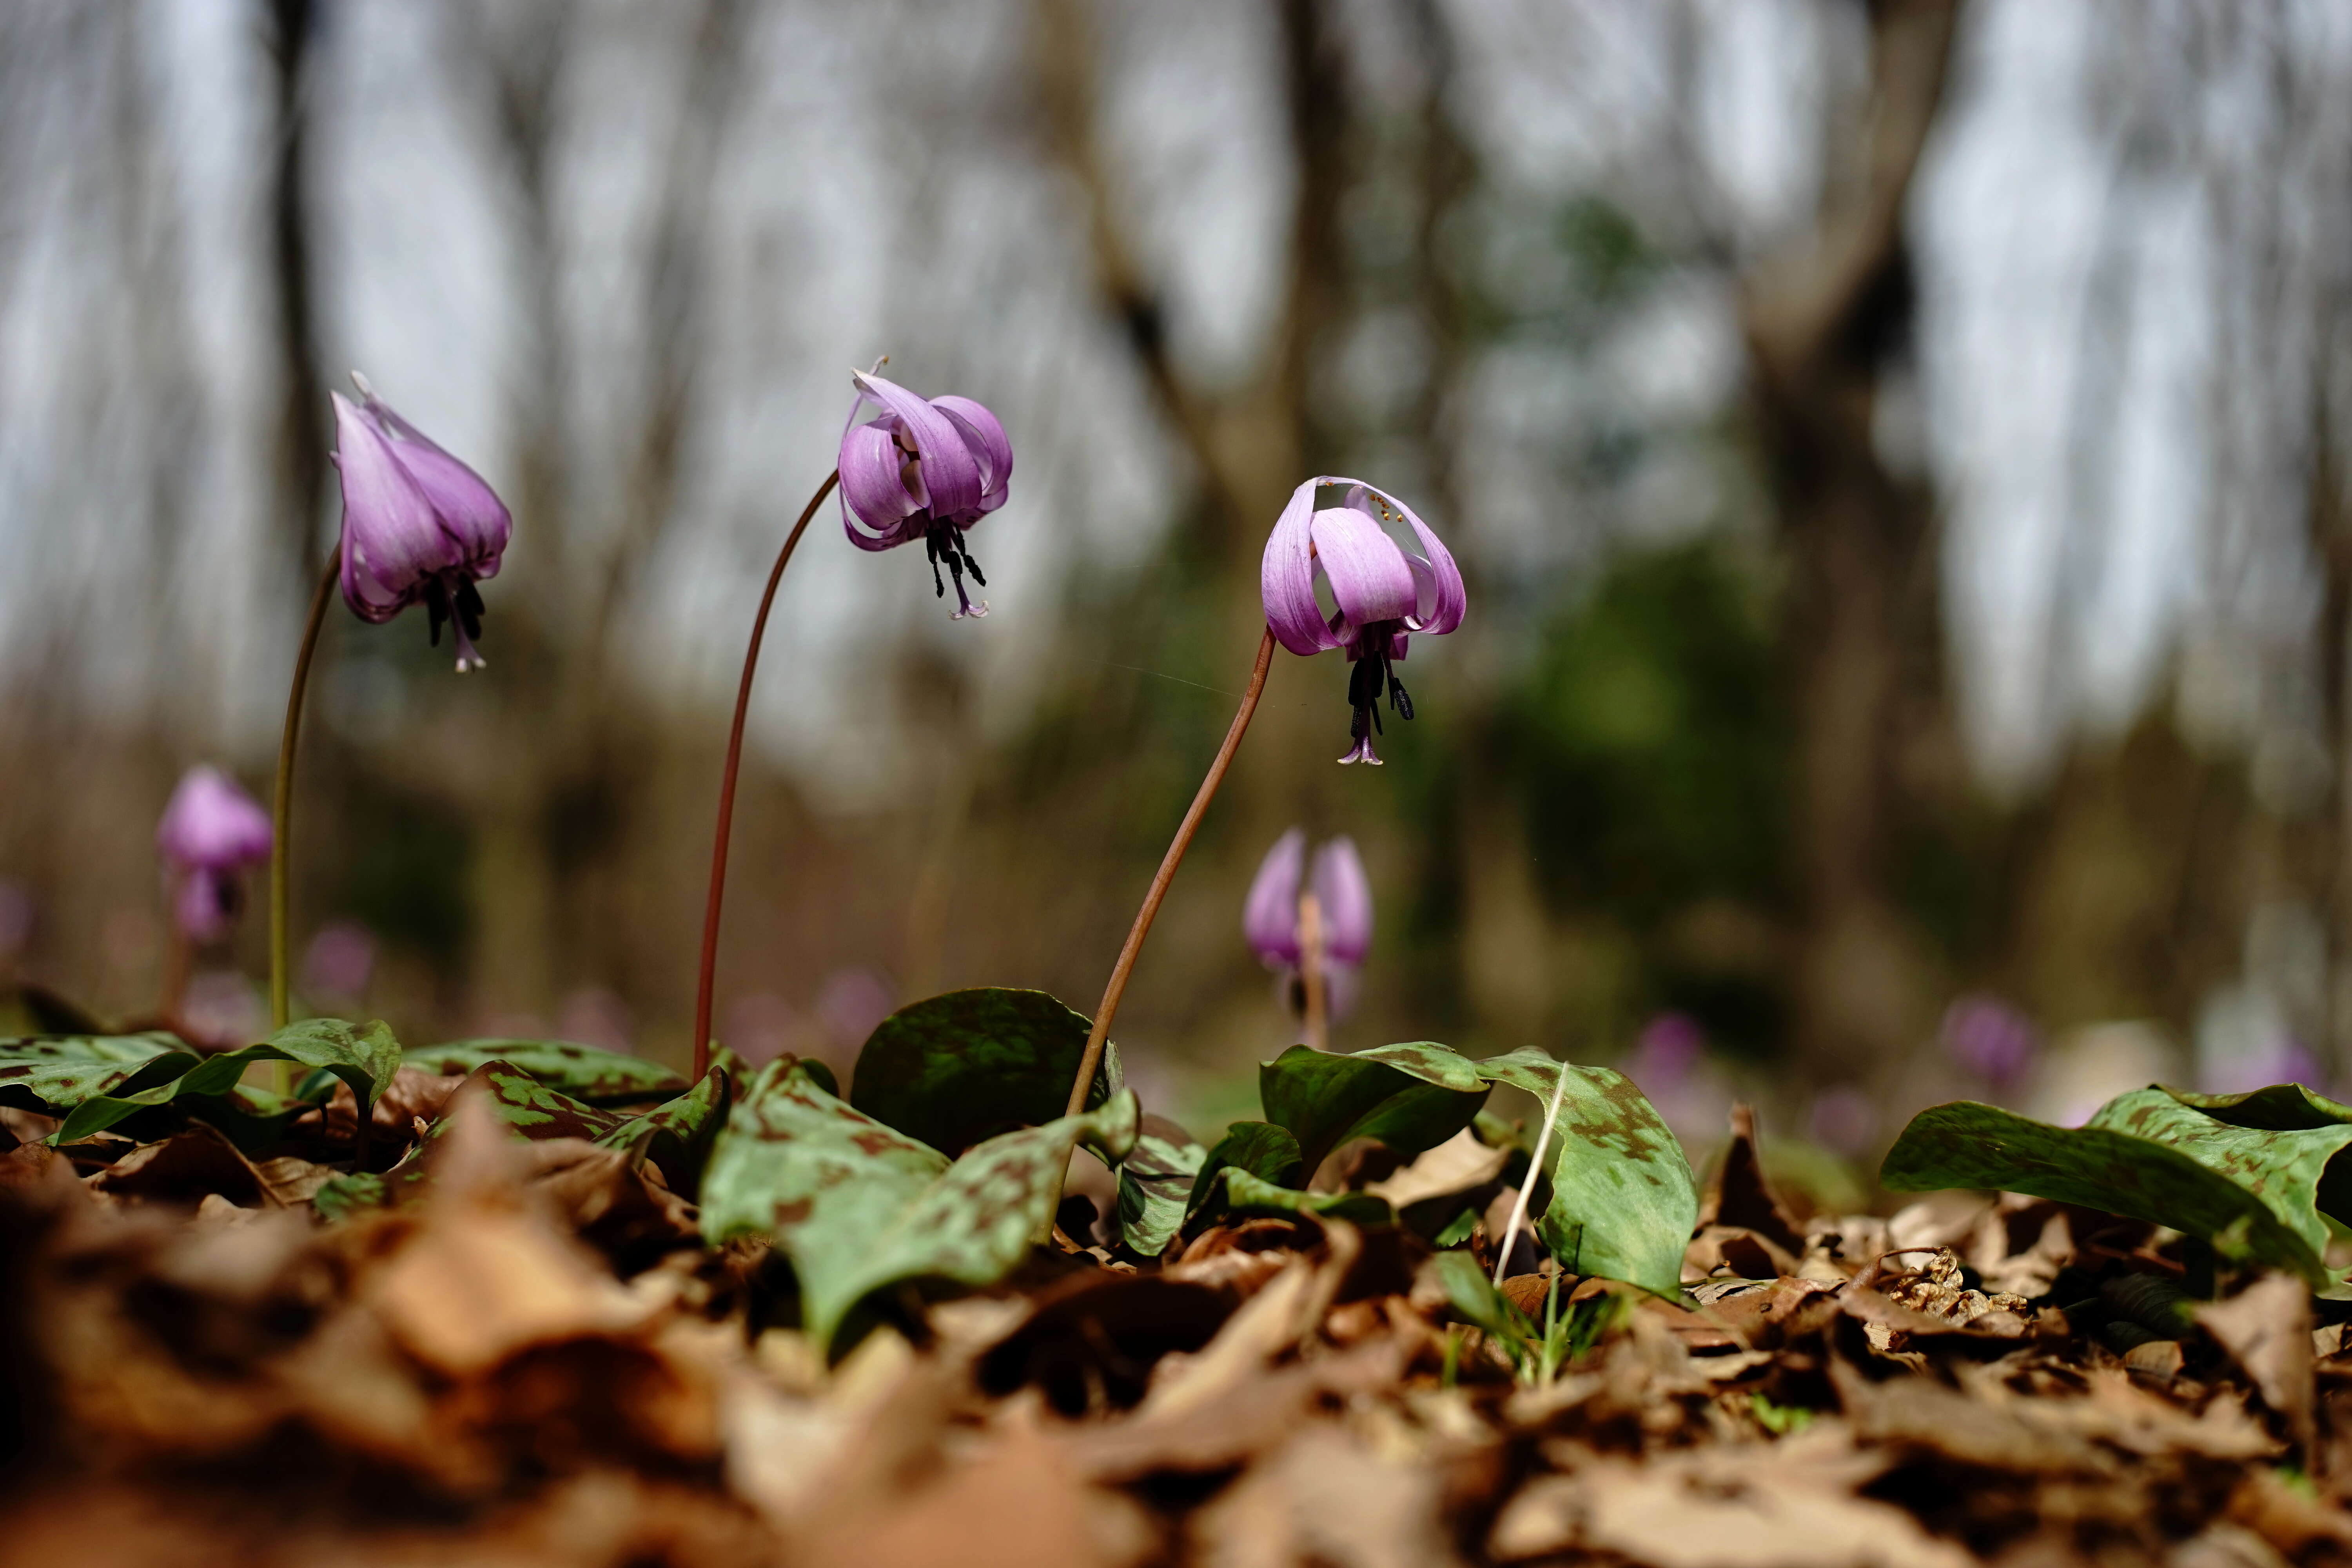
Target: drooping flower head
924	468
1270	915
419	526
1384	592
211	830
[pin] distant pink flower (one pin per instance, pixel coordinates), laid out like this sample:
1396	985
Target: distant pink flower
211	830
1844	1119
927	468
1384	592
1990	1039
1343	893
339	960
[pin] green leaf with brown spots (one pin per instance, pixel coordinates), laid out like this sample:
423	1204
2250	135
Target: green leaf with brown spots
958	1069
857	1206
364	1056
2298	1171
1155	1184
676	1134
2105	1166
1623	1201
1411	1097
1264	1151
580	1072
54	1073
1235	1192
528	1107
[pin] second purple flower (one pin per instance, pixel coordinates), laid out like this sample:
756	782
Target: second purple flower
925	469
1384	592
1272	925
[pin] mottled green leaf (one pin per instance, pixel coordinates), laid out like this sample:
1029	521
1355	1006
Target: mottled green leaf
528	1107
857	1206
2283	1107
1264	1151
364	1056
1155	1183
580	1072
1624	1199
1964	1144
676	1134
1411	1097
54	1073
957	1068
1243	1193
2294	1171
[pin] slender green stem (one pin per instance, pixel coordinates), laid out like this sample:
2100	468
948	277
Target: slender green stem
708	974
281	842
1165	875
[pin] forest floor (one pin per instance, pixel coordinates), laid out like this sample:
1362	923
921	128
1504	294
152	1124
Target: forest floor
538	1361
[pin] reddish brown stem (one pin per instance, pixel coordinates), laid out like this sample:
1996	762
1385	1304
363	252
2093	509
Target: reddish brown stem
281	827
1165	875
703	987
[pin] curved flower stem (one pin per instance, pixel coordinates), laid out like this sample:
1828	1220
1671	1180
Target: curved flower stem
702	992
1165	875
281	820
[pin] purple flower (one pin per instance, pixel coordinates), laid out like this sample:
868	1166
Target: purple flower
1344	894
211	830
926	470
1382	591
418	525
1990	1039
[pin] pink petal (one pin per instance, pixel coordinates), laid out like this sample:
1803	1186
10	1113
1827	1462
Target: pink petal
950	473
1345	893
392	540
986	439
870	483
1287	579
1366	571
476	522
211	822
1270	914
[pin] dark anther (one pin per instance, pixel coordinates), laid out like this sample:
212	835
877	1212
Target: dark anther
1397	699
469	609
969	564
931	548
437	609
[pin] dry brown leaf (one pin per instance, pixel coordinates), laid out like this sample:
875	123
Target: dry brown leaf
2266	1329
1459	1165
1789	1504
1325	1498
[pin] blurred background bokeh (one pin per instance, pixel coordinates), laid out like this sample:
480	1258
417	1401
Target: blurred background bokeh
1900	455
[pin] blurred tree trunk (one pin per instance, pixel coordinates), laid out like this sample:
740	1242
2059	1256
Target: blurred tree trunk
1823	325
303	437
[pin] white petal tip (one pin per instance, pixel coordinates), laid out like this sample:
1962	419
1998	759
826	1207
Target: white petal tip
361	383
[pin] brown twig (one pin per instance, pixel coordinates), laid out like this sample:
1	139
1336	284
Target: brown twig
1165	875
703	985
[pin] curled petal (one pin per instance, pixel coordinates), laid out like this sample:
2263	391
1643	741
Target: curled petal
470	513
1366	571
1439	600
1286	578
211	823
1270	915
393	542
950	473
985	437
1340	886
871	461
